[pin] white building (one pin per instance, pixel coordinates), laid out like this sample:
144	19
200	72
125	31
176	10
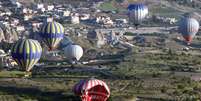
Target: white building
104	20
9	13
36	24
121	20
27	17
50	7
42	9
40	6
49	19
19	5
20	28
2	13
16	21
84	16
25	10
75	19
66	13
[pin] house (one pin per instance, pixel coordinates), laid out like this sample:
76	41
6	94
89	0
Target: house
15	21
40	6
124	21
49	19
2	13
25	10
104	20
18	4
20	28
75	18
27	17
66	13
42	9
84	16
168	20
36	24
50	7
9	13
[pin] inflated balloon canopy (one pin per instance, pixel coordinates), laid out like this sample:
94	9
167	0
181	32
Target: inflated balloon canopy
52	33
92	90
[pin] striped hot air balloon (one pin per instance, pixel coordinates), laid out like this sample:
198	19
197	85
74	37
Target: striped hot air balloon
137	13
26	53
92	90
73	52
188	27
52	33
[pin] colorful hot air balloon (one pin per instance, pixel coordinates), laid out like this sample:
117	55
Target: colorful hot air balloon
52	33
26	53
137	13
92	90
73	52
188	27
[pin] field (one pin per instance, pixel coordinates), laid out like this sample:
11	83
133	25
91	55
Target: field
158	76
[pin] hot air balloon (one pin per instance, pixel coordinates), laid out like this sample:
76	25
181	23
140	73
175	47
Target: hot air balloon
73	52
188	27
92	90
52	33
137	13
26	53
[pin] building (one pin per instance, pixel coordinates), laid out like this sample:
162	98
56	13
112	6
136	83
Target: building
50	7
75	18
49	19
105	21
20	28
84	16
66	13
40	6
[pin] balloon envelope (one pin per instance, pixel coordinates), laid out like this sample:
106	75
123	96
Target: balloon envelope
73	52
188	27
92	90
137	13
52	33
26	53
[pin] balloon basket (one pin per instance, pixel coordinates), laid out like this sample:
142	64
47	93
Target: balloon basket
188	43
94	97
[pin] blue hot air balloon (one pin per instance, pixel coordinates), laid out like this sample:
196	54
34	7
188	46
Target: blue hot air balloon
137	13
26	53
188	27
52	33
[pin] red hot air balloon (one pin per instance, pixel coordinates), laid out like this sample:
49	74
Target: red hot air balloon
92	90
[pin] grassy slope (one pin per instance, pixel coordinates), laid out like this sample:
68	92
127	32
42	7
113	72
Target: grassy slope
145	75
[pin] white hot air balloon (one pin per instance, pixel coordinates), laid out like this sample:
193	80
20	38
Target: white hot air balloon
73	52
